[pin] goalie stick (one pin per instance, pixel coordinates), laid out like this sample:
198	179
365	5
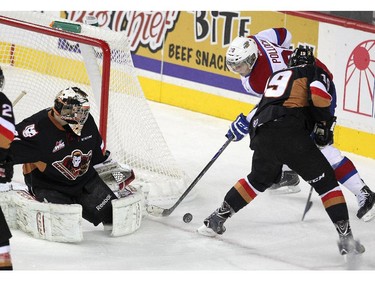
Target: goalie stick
19	97
308	204
161	212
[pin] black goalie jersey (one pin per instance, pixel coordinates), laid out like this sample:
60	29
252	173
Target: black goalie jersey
53	156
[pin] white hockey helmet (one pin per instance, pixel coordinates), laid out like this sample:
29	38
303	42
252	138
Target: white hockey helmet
241	51
72	106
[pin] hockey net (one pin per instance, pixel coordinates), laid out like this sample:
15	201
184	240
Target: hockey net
41	61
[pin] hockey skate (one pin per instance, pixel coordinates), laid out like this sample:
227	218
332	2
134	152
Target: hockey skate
347	245
366	200
214	224
288	184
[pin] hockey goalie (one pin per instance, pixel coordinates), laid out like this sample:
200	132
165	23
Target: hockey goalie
69	175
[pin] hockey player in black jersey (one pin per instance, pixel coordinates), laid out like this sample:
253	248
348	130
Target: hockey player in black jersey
59	147
295	104
6	170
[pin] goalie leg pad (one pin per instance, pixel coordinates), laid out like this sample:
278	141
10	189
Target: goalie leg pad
9	208
48	221
127	214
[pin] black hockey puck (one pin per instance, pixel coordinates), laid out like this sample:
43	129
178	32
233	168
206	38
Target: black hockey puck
187	217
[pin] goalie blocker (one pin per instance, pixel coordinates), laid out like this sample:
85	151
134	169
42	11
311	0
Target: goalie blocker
63	222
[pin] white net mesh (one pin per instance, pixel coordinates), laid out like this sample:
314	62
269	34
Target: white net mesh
42	65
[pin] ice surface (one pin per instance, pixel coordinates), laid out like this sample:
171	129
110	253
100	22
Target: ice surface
266	236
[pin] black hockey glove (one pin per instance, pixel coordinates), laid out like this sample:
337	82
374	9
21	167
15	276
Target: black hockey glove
6	170
323	132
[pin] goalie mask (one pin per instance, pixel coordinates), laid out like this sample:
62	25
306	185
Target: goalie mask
72	106
242	55
301	55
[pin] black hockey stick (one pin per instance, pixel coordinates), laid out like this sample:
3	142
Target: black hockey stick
161	212
308	204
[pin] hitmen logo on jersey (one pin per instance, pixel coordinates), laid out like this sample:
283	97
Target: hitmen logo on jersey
74	165
29	131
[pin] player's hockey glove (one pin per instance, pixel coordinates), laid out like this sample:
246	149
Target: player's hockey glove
238	129
6	170
323	132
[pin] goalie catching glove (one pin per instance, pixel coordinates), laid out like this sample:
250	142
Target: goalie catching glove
323	132
239	128
116	176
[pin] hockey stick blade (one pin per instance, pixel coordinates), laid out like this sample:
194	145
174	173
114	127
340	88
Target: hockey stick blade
161	212
307	208
158	211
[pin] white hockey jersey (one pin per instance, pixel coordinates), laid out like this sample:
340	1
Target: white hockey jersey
273	45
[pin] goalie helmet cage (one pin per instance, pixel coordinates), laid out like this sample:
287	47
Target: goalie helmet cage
42	60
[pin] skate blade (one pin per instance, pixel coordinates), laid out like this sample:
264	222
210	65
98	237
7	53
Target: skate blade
370	215
285	190
352	260
204	230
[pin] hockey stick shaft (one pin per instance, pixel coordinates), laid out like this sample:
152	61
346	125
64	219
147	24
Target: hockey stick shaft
19	97
308	204
161	212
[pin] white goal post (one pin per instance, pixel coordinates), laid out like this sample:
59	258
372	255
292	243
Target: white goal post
42	60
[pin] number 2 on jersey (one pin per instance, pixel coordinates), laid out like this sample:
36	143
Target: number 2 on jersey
7	111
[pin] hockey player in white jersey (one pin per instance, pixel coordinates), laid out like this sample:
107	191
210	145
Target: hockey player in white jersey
255	58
